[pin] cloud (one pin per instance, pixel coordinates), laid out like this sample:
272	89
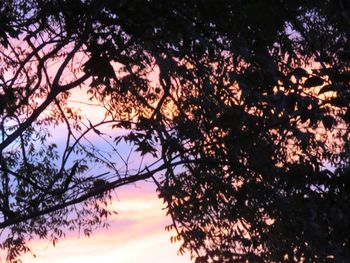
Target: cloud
136	235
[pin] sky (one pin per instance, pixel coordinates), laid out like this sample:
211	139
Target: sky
136	234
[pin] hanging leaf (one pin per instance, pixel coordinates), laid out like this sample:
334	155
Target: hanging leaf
314	81
327	88
299	73
328	122
346	116
339	102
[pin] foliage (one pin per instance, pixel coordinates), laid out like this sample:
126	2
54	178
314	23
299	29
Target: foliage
242	105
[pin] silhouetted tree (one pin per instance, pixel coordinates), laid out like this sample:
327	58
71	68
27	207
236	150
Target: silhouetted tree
242	106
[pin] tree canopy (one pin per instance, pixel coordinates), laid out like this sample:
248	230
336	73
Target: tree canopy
241	106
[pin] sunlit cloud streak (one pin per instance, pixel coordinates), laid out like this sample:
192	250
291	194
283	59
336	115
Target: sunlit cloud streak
136	234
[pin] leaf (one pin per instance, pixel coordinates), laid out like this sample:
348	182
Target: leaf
328	122
145	147
339	102
346	116
314	81
324	71
300	73
327	88
118	139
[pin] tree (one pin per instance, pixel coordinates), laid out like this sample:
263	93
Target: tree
243	106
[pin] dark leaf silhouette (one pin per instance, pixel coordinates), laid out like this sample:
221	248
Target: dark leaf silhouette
313	81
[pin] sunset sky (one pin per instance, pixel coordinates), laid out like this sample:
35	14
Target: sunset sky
136	234
231	116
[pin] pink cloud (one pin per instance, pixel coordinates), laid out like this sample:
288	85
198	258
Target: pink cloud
136	235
